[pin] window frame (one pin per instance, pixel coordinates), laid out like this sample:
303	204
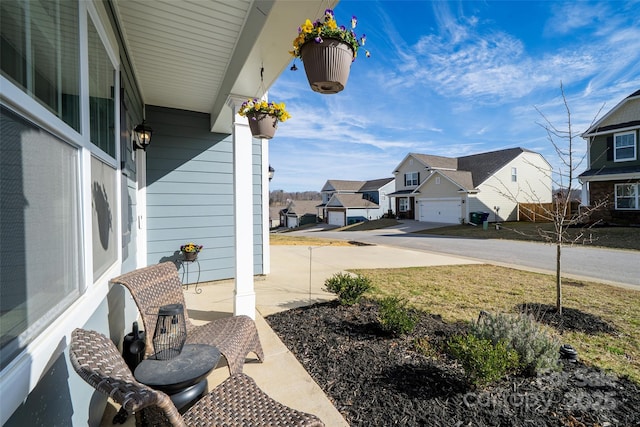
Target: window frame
514	174
636	187
25	370
411	179
403	204
634	146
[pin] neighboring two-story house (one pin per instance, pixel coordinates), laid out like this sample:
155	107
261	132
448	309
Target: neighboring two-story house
613	177
344	202
446	189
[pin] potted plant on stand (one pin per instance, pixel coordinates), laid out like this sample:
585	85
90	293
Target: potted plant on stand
263	116
190	251
327	51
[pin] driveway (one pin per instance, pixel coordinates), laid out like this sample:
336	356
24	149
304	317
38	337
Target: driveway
619	267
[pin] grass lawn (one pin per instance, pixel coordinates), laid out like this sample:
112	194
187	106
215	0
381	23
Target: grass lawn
608	237
458	293
286	239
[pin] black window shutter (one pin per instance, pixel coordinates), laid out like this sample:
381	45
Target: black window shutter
610	148
418	178
405	179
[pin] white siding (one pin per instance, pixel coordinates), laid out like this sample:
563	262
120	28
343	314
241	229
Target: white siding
533	185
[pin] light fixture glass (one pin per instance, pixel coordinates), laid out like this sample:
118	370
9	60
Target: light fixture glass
142	136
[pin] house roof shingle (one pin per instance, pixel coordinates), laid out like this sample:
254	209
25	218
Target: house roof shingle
437	162
610	171
352	201
301	207
462	178
375	184
355	186
342	185
483	165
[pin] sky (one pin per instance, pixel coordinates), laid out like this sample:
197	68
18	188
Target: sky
453	78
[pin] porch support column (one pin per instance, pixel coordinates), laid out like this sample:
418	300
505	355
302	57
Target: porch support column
244	301
266	220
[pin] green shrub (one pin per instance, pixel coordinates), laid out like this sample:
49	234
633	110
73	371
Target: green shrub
537	349
349	288
394	317
482	360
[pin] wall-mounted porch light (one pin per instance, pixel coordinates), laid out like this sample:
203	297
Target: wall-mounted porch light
271	172
142	136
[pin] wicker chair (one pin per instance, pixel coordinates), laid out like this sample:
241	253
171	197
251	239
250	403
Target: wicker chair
238	401
159	284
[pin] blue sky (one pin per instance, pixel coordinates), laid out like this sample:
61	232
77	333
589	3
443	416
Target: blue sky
455	78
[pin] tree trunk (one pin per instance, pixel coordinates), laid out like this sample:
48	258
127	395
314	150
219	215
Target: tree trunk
558	279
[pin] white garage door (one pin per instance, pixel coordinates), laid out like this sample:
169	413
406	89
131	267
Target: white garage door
336	218
447	211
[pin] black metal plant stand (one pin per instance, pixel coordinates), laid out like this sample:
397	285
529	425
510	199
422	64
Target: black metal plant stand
186	265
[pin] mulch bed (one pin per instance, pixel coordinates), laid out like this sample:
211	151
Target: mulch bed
374	379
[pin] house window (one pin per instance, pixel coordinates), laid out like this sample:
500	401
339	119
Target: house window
627	197
103	204
41	231
514	174
403	204
624	146
437	180
411	179
101	94
40	53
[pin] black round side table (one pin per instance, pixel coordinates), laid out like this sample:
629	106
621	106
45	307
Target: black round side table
183	378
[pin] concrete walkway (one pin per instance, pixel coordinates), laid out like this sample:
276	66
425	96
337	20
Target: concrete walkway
296	279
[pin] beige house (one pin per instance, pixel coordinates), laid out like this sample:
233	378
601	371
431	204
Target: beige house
447	190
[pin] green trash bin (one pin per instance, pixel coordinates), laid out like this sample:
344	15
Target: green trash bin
475	218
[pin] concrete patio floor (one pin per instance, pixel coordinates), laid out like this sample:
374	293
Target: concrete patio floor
296	279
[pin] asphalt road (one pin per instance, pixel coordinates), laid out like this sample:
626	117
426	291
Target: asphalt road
619	267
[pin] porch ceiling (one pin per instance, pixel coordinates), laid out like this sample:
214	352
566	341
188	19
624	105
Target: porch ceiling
192	55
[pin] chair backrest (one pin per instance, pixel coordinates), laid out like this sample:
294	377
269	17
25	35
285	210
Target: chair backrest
97	360
152	287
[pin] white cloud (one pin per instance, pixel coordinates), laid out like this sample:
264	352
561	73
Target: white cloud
461	88
568	17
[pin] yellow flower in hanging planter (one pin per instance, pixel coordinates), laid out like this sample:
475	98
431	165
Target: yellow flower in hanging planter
263	116
327	51
258	106
328	28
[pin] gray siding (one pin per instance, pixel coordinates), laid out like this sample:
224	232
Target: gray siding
190	193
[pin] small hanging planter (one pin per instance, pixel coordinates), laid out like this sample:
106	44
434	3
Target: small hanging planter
262	125
263	117
327	64
327	52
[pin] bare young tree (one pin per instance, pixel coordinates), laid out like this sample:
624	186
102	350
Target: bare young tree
562	216
571	223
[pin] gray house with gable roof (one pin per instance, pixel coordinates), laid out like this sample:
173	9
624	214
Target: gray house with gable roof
447	189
